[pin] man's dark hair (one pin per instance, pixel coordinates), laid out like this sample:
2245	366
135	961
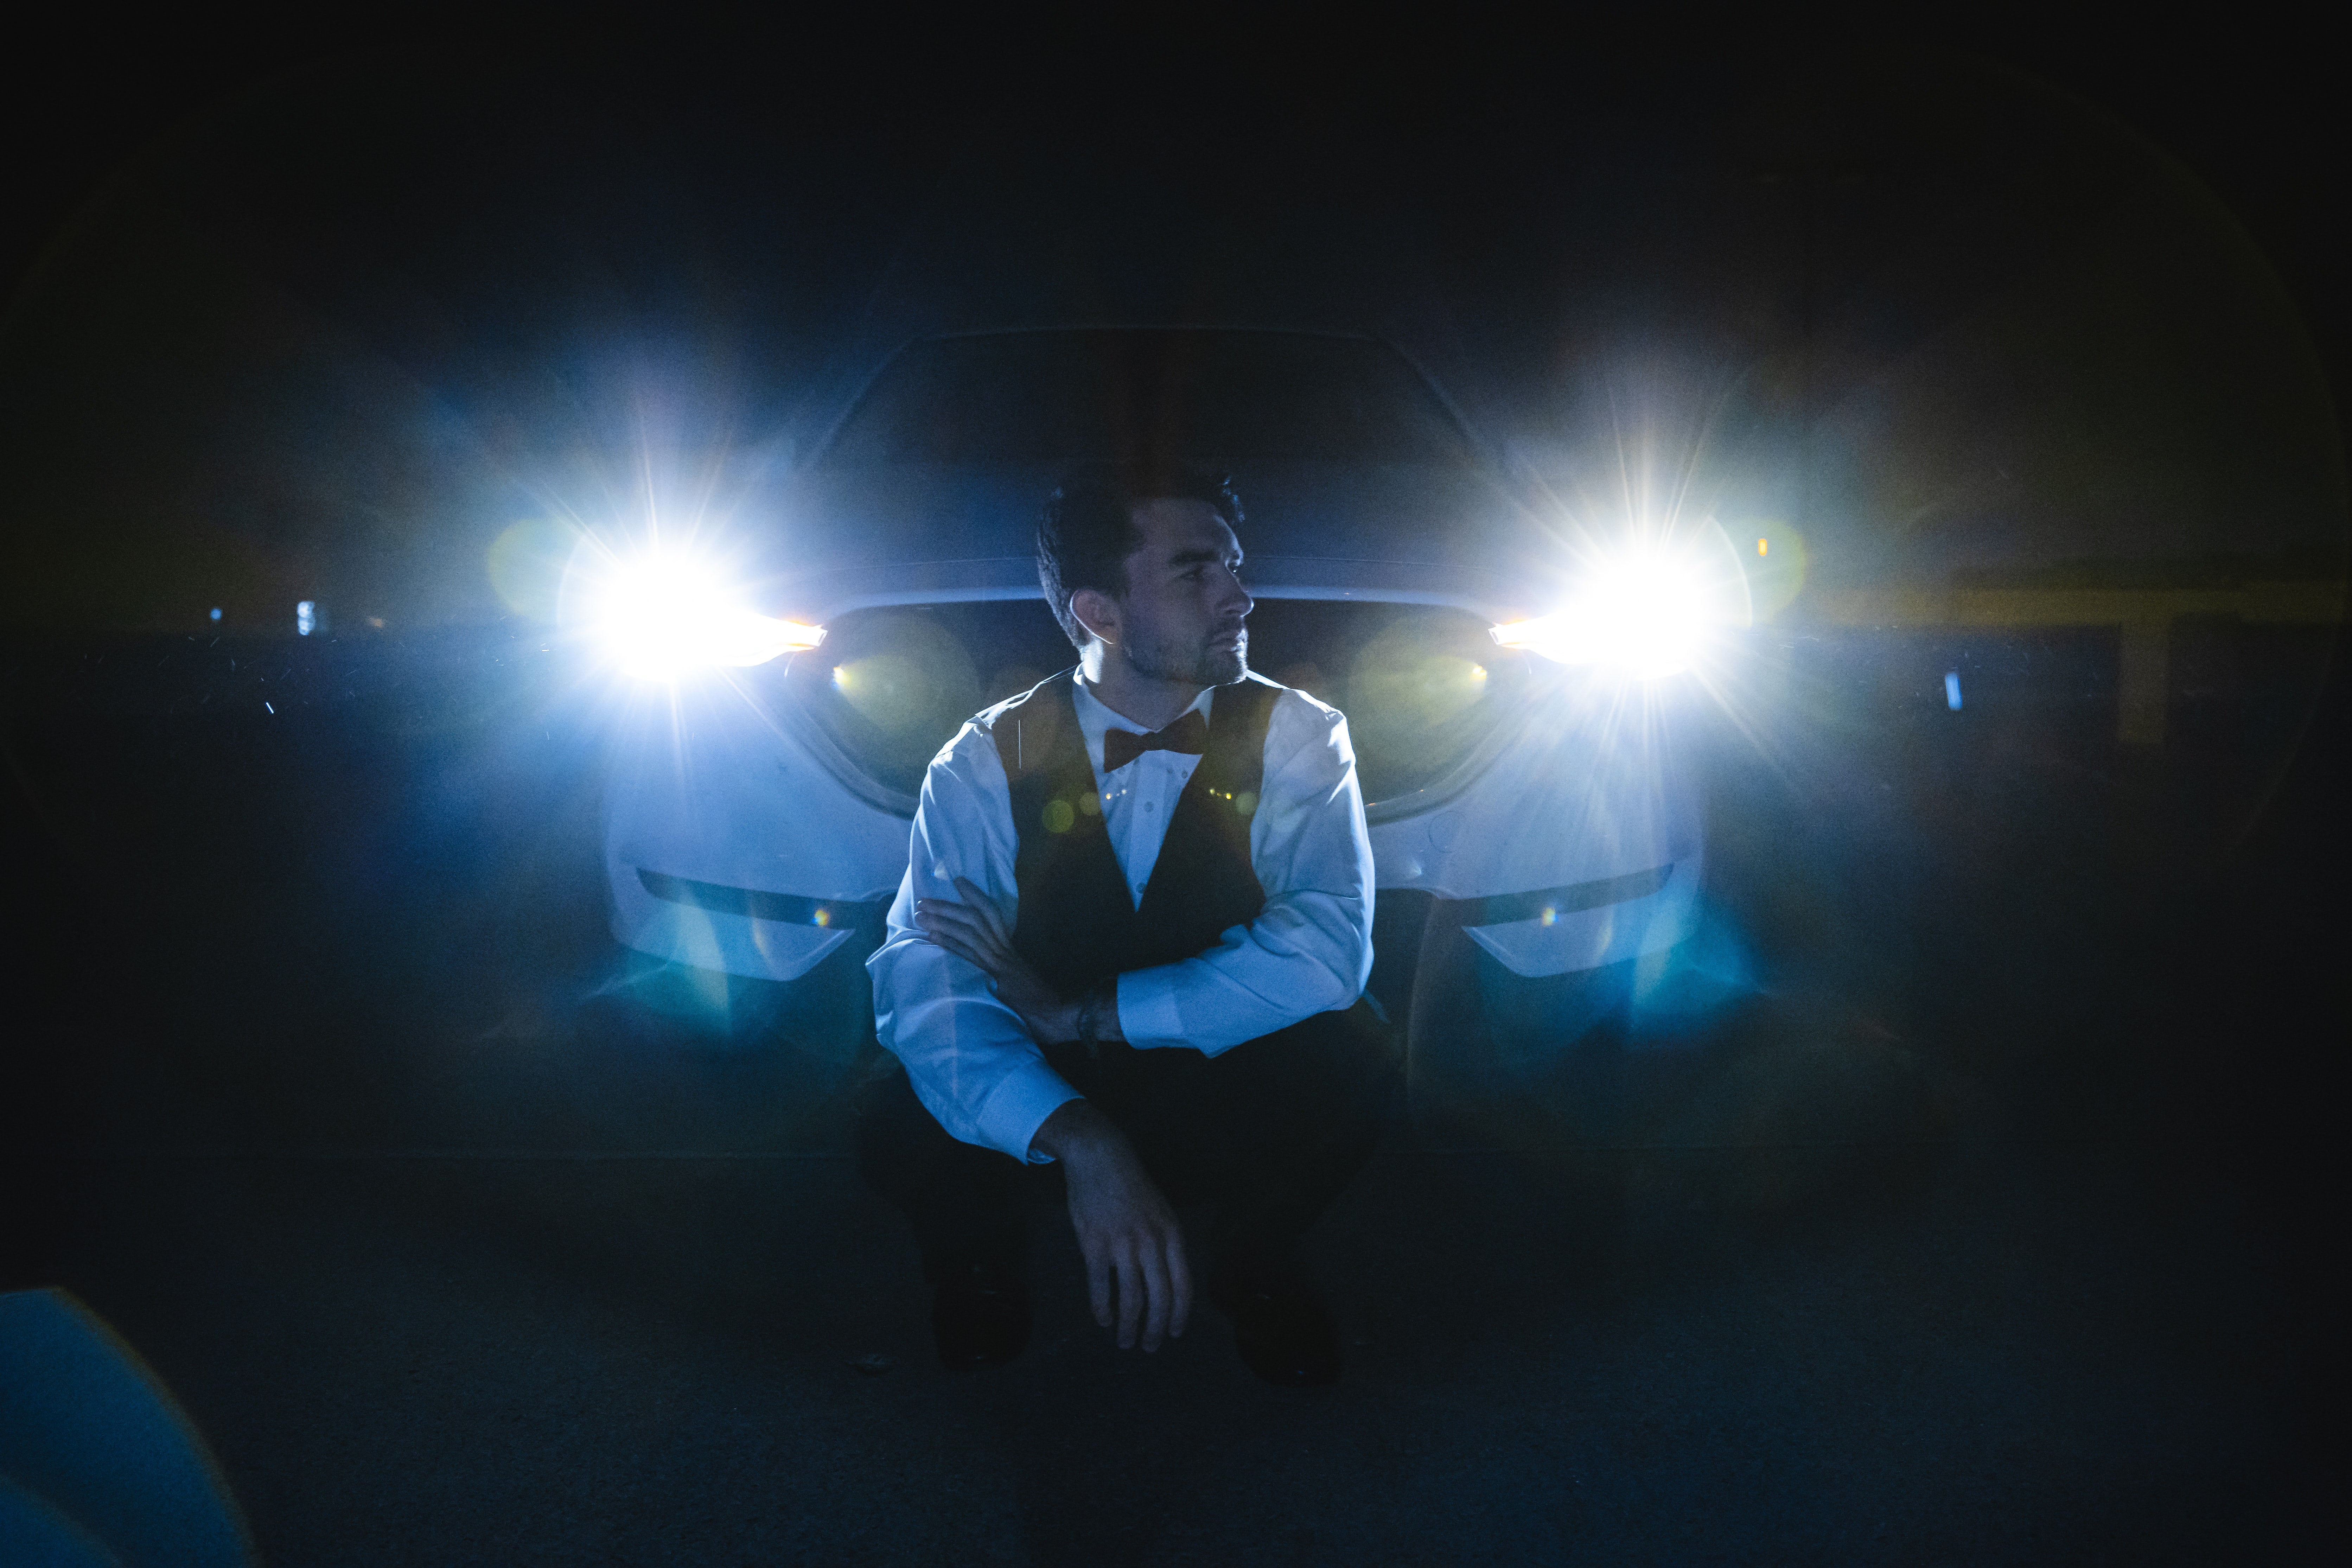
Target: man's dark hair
1087	529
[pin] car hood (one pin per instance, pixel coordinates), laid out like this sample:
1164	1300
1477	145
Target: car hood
865	535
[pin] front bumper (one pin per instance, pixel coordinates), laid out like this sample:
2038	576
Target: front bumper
737	931
1592	924
734	843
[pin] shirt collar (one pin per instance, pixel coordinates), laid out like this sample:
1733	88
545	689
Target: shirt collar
1095	716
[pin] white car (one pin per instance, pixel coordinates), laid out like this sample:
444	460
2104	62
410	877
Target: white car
1508	689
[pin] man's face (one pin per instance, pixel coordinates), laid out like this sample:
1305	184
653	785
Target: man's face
1180	617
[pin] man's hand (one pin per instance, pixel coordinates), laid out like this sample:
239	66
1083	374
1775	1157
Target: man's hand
1127	1232
975	932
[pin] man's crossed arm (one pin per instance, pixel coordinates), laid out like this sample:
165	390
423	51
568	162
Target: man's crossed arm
974	931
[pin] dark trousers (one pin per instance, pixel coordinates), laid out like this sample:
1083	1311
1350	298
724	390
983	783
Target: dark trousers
1266	1134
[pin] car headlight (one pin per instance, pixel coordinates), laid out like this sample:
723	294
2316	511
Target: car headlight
662	616
1649	610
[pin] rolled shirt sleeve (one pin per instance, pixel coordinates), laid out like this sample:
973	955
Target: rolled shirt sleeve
968	1056
1310	949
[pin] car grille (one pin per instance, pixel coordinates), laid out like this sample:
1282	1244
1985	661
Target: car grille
1423	686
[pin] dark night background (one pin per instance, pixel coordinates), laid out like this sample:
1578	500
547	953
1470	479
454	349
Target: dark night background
1990	1222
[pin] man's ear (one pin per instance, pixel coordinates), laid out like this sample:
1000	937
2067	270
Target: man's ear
1098	613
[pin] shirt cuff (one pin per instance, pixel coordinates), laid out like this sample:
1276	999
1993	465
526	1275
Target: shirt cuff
1147	1009
1030	1093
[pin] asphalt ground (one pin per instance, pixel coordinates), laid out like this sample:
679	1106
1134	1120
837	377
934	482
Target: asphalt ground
1964	1194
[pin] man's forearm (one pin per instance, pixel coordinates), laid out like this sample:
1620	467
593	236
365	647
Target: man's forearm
1305	955
1091	1017
1074	1132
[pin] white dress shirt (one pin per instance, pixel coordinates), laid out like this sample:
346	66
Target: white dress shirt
971	1059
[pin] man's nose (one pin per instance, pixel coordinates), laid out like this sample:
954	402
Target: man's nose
1237	599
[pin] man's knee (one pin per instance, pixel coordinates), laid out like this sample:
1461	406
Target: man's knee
963	1200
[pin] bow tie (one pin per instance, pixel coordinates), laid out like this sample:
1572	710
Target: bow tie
1190	733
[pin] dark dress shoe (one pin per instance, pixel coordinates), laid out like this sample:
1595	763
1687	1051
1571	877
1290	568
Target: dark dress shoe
979	1316
1285	1332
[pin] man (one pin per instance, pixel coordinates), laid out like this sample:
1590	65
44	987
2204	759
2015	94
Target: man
1132	942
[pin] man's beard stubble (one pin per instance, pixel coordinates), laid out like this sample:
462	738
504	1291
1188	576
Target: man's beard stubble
1203	664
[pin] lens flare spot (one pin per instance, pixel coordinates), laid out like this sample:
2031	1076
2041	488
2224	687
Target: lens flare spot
527	563
892	690
1407	681
1059	815
1780	577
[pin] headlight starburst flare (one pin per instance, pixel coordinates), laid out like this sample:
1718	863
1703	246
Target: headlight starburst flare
663	615
1649	609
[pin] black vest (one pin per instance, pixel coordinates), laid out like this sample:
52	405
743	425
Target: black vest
1077	924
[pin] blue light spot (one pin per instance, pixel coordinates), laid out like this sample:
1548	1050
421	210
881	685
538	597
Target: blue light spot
306	617
217	612
1952	690
271	711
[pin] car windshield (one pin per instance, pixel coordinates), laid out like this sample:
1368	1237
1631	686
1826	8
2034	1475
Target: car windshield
1194	395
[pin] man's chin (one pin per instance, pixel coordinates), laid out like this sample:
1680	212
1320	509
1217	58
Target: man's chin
1210	666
